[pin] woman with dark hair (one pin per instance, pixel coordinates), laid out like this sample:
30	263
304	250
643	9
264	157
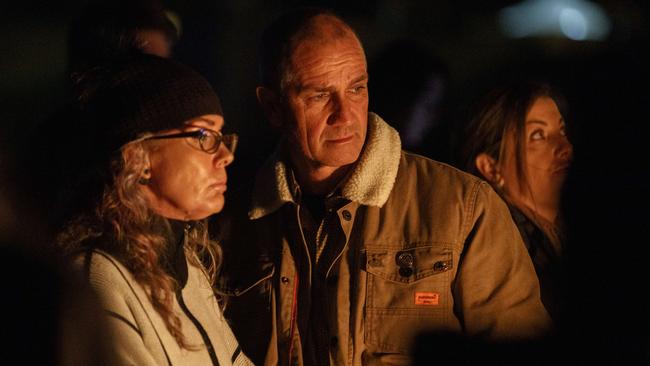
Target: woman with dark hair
161	158
517	142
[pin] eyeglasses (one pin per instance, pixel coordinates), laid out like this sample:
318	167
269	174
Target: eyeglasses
209	140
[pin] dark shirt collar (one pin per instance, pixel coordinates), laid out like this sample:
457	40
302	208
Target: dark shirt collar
174	259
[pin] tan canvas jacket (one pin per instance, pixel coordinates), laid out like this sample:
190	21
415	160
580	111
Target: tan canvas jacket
410	245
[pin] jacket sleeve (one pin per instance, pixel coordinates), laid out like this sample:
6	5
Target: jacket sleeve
125	341
496	289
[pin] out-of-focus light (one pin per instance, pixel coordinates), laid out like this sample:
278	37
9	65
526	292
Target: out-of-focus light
578	20
573	24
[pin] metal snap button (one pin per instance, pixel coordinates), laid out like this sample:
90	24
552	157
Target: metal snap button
405	271
284	280
440	266
347	216
405	259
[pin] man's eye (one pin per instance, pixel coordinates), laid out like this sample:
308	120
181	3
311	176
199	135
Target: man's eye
358	89
319	96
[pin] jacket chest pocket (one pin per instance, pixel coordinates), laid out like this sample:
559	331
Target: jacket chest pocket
408	291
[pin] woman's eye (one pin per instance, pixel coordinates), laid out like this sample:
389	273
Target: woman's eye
200	136
537	135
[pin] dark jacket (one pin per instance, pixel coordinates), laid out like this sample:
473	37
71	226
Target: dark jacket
548	259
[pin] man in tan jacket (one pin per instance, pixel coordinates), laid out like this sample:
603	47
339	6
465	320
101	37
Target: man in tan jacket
346	247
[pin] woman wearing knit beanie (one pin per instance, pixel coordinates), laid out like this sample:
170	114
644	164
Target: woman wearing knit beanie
154	129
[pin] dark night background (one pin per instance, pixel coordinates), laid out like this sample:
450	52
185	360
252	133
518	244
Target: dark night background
605	83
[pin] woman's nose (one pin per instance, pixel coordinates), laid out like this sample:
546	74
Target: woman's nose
564	149
223	157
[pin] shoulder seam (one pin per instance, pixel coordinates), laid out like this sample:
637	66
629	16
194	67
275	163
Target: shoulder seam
125	320
471	206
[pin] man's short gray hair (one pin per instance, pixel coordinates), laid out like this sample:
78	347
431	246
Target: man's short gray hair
280	39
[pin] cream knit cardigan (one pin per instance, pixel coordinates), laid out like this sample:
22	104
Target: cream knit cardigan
139	335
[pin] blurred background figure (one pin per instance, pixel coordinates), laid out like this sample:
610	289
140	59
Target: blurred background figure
51	318
105	30
517	141
108	28
409	89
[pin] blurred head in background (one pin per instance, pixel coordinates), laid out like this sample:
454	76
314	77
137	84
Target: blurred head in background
409	88
107	29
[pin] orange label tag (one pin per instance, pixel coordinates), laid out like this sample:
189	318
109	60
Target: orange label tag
426	298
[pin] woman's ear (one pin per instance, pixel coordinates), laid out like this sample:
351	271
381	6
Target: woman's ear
145	177
142	154
271	105
489	169
145	173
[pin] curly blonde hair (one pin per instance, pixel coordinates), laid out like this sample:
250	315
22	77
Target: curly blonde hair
134	236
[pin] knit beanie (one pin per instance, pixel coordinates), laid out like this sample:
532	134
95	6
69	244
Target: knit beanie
143	94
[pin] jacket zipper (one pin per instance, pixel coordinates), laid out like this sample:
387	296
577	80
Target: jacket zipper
199	327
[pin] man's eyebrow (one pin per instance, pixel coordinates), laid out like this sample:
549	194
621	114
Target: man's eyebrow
363	77
313	87
324	87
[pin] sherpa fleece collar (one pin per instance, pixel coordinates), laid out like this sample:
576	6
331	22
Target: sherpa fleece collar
370	183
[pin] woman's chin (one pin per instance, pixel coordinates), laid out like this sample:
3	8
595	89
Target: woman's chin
215	206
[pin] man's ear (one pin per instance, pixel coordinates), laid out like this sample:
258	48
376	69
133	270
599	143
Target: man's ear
489	169
271	104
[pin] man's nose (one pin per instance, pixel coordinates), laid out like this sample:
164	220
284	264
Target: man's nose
342	112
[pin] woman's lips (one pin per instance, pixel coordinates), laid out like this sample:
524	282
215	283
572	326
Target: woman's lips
219	186
562	169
